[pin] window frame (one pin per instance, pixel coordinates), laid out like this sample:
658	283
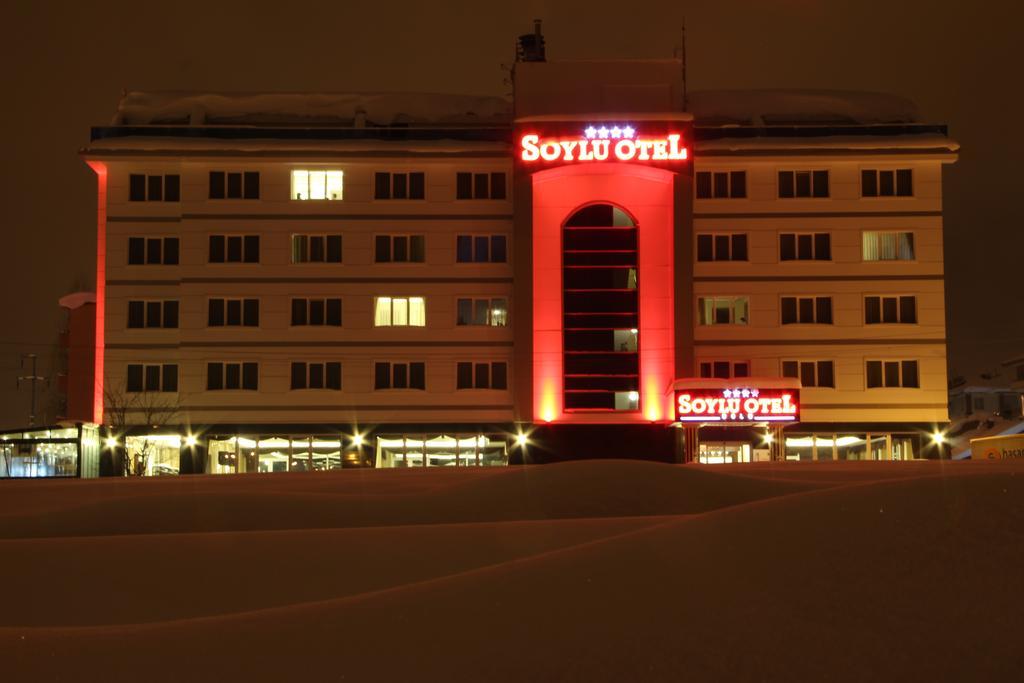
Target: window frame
146	239
899	300
815	309
308	239
475	301
408	299
913	245
163	378
391	374
307	374
900	364
711	363
249	185
795	180
732	315
796	235
473	177
816	363
292	174
224	369
732	238
877	174
730	182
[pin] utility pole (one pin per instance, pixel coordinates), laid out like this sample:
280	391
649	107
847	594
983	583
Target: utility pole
33	378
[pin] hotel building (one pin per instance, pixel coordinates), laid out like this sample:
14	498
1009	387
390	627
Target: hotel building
602	267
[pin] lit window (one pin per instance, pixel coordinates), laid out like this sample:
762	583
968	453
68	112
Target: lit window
316	185
400	312
723	310
888	246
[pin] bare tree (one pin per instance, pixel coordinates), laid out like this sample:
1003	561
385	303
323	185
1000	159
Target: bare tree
124	410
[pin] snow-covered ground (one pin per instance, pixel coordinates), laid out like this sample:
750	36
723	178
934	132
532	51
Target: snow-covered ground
583	571
977	425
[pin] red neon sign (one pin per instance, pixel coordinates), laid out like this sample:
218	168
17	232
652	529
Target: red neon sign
601	144
738	405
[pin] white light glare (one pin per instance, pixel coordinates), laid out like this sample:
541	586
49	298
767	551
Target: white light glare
190	441
111	442
938	438
634	396
357	440
521	439
769	437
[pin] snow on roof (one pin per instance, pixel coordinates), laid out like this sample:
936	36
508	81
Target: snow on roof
309	109
799	107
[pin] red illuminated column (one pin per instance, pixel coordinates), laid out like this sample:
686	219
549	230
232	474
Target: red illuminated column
101	285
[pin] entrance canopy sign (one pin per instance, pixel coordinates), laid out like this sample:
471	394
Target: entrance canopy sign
604	142
746	404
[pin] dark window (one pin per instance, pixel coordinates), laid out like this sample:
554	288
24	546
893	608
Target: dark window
233	308
904	182
172	188
872	310
334	312
171	251
739	247
823	310
703	185
481	249
234	249
417	186
215	313
483	376
417	251
333	244
874	373
217	250
890	310
787	247
252	249
152	378
790	368
789	310
909	368
316	312
214	376
805	247
826	374
136	314
232	376
720	184
786	187
480	186
498	186
316	249
136	251
822	246
136	187
463	185
217	186
399	376
299	308
722	247
464	249
738	184
234	185
868	183
499	249
891	370
399	186
382	248
298	375
807	374
155	188
499	375
705	370
333	371
250	376
720	369
908	309
806	310
382	185
154	251
741	370
382	375
464	376
133	381
170	378
251	312
705	248
316	376
417	376
821	183
886	183
171	314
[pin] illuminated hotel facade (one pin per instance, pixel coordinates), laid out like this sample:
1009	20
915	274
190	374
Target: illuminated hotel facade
312	282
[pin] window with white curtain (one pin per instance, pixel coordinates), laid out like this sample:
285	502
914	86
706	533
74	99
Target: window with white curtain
888	246
316	184
400	311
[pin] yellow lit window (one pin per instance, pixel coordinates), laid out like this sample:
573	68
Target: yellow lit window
400	312
316	185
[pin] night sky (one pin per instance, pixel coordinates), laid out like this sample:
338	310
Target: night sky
65	64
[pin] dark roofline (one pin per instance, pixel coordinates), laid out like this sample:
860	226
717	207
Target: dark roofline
492	133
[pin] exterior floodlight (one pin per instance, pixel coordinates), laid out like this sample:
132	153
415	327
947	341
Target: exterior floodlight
634	396
190	441
357	440
521	439
111	442
769	437
938	438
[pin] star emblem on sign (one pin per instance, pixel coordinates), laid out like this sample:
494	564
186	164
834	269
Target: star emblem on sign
727	393
616	132
754	392
628	132
602	133
590	132
746	393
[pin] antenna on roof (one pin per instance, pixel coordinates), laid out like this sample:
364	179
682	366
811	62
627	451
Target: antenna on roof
686	99
530	46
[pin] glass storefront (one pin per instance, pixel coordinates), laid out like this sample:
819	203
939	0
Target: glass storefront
872	446
442	450
159	453
50	452
231	454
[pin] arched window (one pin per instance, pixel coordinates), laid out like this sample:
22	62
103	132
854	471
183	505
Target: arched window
601	310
